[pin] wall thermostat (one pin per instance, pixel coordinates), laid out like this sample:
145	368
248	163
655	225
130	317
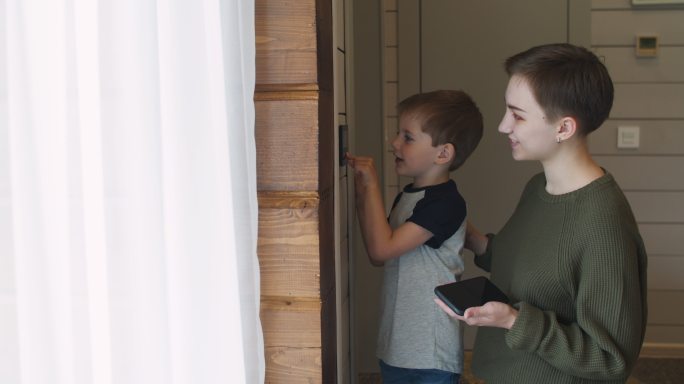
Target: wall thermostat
647	45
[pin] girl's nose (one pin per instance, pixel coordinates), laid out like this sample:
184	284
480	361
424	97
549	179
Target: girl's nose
505	124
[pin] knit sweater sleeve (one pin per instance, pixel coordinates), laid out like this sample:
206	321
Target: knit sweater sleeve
606	277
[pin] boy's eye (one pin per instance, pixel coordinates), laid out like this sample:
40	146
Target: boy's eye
408	138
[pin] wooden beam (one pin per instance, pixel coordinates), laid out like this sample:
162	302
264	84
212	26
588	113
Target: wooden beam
287	145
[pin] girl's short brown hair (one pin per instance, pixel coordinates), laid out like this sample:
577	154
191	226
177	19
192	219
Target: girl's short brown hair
566	80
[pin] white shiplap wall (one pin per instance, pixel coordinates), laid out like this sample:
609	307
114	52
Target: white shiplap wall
649	93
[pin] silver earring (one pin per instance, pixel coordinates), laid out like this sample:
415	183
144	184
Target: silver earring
558	139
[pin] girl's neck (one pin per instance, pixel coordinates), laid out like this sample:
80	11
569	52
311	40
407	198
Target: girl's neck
572	169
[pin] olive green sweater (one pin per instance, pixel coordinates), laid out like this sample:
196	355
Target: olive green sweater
574	265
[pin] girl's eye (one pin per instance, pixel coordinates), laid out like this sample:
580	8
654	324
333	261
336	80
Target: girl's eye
517	117
408	138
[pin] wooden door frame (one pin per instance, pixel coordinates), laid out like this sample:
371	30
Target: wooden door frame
295	187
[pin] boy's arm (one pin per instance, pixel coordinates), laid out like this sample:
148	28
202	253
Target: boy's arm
382	243
475	240
478	242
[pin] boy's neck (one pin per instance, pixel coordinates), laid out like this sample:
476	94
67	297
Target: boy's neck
429	180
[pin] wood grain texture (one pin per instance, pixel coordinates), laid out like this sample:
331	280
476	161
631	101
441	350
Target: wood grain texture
285	67
286	365
287	144
294	200
295	182
291	323
289	253
285	24
304	91
286	41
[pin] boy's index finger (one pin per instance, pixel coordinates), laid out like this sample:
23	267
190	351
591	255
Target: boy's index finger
351	160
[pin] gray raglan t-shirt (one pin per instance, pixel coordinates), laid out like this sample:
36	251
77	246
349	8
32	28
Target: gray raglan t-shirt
414	331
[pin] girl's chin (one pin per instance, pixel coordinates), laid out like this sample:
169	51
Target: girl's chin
521	157
517	154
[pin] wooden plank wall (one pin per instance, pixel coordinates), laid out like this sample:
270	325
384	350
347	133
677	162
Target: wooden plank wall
295	177
649	93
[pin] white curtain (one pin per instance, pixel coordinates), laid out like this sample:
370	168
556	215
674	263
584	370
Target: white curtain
128	210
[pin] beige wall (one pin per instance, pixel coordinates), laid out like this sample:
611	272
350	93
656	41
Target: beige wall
434	44
463	47
368	140
650	95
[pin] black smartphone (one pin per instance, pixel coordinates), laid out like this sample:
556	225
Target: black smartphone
461	295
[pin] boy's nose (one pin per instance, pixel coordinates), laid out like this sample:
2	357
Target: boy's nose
395	142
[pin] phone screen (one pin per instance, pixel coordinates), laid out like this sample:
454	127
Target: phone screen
474	292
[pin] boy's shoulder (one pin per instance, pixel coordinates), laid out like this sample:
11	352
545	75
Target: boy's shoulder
444	187
438	208
439	194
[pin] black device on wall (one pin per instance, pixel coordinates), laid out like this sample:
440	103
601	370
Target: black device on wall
343	143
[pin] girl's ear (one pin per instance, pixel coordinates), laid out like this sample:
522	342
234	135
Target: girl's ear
567	128
446	154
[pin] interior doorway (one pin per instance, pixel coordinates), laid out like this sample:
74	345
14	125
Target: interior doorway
441	44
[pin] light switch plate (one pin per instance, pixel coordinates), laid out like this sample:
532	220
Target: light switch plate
628	137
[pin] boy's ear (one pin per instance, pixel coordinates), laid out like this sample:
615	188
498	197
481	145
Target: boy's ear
446	154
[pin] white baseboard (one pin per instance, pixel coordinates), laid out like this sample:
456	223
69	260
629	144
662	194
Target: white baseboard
671	350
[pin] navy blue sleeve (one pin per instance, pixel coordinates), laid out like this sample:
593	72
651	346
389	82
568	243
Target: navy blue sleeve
441	211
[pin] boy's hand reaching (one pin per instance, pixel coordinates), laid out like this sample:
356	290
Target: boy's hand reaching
382	242
365	175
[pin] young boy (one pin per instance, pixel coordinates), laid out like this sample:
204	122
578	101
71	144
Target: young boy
421	245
